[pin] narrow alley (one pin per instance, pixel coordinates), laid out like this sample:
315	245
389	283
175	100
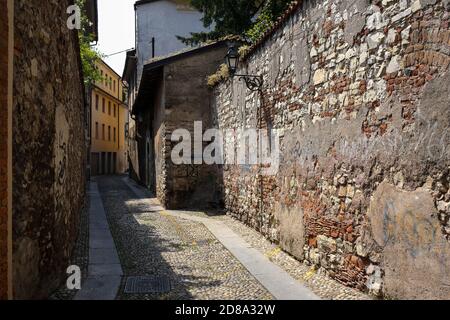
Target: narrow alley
178	255
204	150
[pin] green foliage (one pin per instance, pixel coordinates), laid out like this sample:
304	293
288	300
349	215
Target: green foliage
235	17
89	55
264	21
227	16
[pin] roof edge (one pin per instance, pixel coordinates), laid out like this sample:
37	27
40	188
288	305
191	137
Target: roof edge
183	54
130	56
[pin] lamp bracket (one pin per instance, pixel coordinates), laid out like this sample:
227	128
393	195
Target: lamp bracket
254	83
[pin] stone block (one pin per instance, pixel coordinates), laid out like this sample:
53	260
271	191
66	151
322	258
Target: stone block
416	254
319	77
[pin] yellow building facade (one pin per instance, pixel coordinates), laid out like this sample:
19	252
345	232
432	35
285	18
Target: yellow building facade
109	119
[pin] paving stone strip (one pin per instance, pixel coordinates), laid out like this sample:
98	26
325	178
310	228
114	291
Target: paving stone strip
277	281
104	269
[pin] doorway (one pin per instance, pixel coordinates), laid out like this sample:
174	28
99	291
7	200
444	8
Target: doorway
95	164
109	163
114	164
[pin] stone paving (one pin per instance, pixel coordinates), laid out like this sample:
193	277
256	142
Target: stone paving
316	280
153	244
277	281
104	269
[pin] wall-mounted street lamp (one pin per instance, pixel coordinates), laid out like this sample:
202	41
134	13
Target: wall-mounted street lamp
254	83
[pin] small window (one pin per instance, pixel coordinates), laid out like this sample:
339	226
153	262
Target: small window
96	130
110	83
103	132
109	107
103	105
96	102
114	85
114	134
109	133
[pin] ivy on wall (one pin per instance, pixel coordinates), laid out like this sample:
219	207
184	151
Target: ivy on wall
89	54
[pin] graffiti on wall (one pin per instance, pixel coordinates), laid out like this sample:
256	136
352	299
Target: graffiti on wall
416	253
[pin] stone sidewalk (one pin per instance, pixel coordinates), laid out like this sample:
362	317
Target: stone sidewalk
104	269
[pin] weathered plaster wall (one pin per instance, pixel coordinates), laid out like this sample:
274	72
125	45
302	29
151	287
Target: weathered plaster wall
48	146
187	99
360	91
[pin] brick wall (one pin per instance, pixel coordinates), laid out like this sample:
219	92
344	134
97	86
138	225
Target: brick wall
3	149
359	91
48	146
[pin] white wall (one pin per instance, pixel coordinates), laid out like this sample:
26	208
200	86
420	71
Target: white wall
163	21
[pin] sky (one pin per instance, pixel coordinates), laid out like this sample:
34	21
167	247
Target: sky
116	30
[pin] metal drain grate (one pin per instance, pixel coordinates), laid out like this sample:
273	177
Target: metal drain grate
147	285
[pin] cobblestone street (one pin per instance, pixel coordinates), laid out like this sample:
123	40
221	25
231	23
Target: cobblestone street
159	244
154	244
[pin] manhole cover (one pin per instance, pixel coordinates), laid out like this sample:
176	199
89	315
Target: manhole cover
147	285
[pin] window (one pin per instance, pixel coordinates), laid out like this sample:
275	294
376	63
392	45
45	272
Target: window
96	102
115	110
114	134
109	133
101	74
110	83
114	85
96	130
103	132
109	107
103	105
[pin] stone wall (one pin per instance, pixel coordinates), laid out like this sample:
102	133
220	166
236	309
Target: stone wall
187	100
359	90
4	150
48	146
159	141
133	162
